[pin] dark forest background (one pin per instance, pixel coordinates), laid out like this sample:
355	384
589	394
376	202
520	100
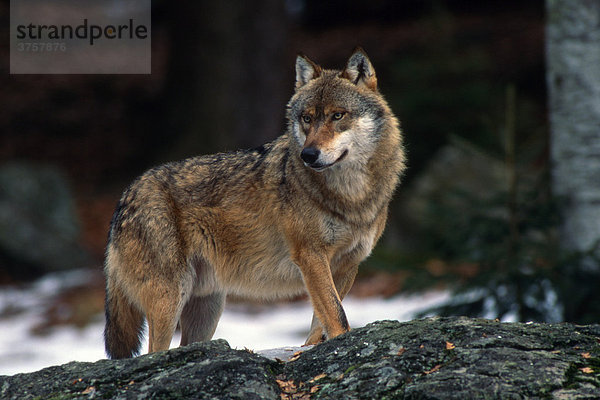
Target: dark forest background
466	79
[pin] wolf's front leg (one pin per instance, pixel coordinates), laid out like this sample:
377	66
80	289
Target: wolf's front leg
343	279
316	334
323	294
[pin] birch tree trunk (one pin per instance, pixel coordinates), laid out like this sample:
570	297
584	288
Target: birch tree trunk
573	79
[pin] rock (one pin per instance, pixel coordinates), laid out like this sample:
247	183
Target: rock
39	229
436	358
202	370
284	353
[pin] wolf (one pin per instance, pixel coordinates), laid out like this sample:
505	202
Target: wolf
296	215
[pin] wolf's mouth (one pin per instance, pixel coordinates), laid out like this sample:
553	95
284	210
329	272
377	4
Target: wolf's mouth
321	167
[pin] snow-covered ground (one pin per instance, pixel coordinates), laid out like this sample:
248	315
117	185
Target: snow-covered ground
264	327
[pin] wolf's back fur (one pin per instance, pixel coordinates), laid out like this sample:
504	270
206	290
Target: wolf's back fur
261	223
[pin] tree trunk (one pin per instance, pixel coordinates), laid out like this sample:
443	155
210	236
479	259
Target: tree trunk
573	78
226	85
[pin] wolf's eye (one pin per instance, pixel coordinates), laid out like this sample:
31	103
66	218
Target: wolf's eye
337	116
306	119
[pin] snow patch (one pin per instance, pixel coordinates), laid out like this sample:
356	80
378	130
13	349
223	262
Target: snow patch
278	325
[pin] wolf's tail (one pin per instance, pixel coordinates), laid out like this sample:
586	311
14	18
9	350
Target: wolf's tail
124	324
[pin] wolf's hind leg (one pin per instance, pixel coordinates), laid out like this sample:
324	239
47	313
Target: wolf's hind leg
163	310
200	317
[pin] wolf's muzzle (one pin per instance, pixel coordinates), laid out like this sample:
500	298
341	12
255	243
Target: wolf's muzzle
310	155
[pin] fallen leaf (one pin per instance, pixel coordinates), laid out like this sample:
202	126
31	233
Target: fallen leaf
586	355
316	378
434	369
291	385
401	351
586	370
295	356
89	389
314	388
450	346
422	346
286	386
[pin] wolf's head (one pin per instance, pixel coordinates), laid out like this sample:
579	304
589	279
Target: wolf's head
336	116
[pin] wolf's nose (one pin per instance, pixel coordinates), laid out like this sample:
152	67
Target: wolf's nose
309	155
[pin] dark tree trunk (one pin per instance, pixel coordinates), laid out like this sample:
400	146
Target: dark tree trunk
226	81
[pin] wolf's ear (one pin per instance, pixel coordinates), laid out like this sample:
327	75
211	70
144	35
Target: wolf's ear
305	70
360	71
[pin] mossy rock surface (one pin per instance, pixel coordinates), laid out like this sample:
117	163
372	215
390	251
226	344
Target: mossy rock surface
435	358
